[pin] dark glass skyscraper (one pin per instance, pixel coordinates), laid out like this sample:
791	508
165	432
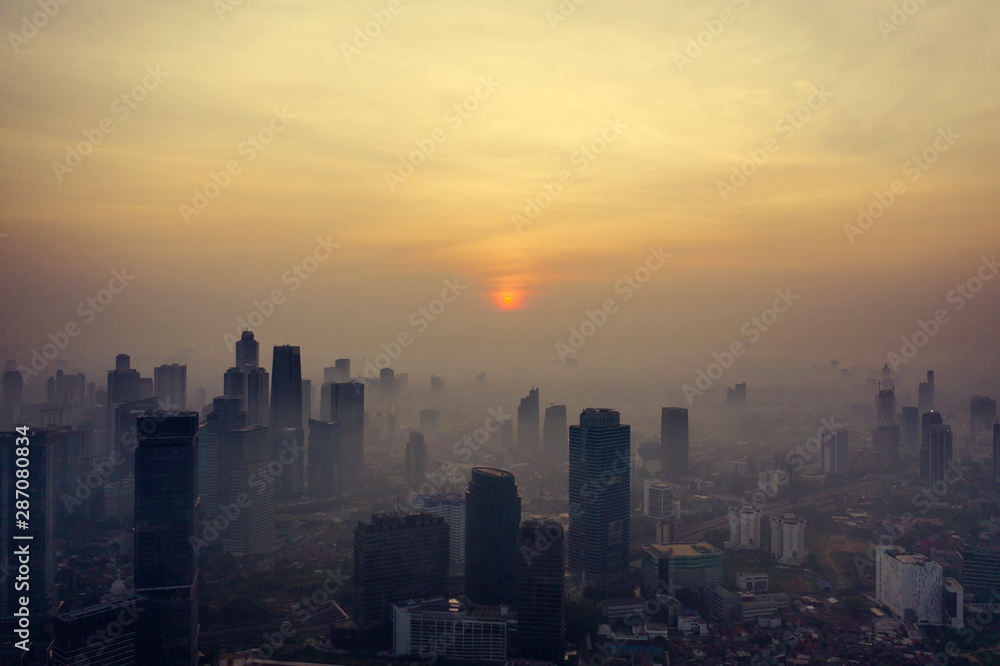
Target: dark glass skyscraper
166	491
939	452
492	516
416	459
909	422
170	385
555	434
527	423
885	405
599	485
325	442
258	397
927	421
215	447
674	442
247	352
347	407
286	388
541	606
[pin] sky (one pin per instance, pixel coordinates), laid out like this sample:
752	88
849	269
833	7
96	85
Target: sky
526	158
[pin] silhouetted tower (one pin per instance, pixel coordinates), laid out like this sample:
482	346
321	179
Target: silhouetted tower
674	442
492	515
541	606
927	421
555	434
416	459
247	352
885	406
527	423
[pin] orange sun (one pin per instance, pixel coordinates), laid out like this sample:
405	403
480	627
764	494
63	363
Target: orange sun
508	300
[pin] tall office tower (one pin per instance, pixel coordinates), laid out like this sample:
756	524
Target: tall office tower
234	383
744	528
247	352
325	393
886	438
170	385
925	394
387	384
527	423
251	488
437	384
939	453
982	414
910	585
416	459
736	397
396	557
146	388
342	371
286	388
307	402
541	603
674	443
325	438
125	432
215	446
452	509
996	455
979	570
599	507
886	371
166	492
555	434
885	405
909	421
83	636
507	439
347	407
258	397
13	397
927	420
402	383
657	500
123	382
329	372
788	539
288	447
119	502
836	452
492	514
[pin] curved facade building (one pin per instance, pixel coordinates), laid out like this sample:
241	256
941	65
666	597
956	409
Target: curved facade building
492	516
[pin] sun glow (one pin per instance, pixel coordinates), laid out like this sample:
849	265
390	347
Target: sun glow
508	300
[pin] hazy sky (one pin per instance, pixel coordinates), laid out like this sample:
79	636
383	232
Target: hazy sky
670	97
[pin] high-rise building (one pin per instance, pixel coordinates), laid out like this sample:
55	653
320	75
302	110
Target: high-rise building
657	500
258	397
247	352
452	630
125	430
286	388
555	434
982	415
430	420
910	585
396	558
307	402
836	452
909	421
736	398
234	383
527	423
492	515
674	444
437	384
325	442
452	509
341	371
166	492
123	381
119	501
387	384
599	506
939	453
927	421
13	397
541	604
170	385
886	438
744	528
416	459
288	447
979	570
788	539
885	405
252	488
215	446
925	394
677	566
84	636
347	407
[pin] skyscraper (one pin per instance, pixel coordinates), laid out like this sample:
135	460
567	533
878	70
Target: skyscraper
342	371
234	383
286	388
909	421
396	558
492	515
288	448
886	438
927	421
416	459
247	352
170	385
788	541
215	446
555	434
939	452
123	382
452	509
982	414
82	636
325	443
387	383
744	528
252	531
527	423
347	407
599	508
885	405
307	402
836	452
925	394
674	443
258	397
541	605
166	491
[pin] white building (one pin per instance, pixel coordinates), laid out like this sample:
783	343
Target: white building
910	585
751	582
788	539
452	508
658	500
447	628
744	528
774	482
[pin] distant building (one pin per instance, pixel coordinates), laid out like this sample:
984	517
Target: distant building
387	384
736	397
979	570
744	528
430	420
541	605
836	452
527	423
887	438
940	451
416	459
668	568
910	585
885	405
437	384
751	582
555	434
247	352
925	394
341	371
909	422
788	540
982	416
927	421
674	442
234	384
449	629
996	455
492	516
258	401
658	500
325	444
347	407
452	509
253	530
